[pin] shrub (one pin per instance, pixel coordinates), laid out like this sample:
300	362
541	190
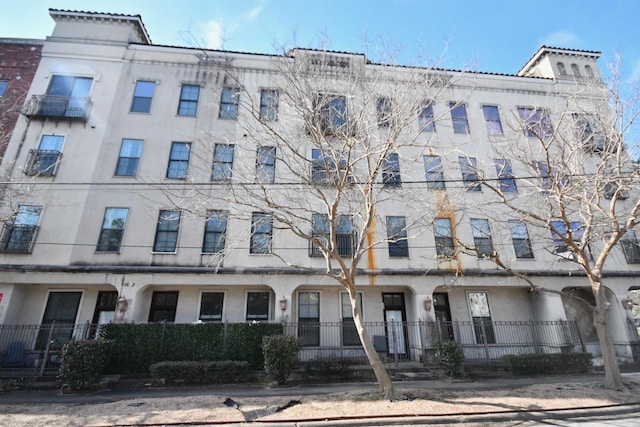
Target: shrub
333	368
244	341
280	356
83	363
450	355
545	364
200	372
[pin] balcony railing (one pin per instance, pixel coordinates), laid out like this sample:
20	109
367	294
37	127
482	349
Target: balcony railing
17	238
345	242
58	107
42	162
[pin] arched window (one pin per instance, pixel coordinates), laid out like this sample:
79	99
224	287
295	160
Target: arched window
561	69
589	71
575	70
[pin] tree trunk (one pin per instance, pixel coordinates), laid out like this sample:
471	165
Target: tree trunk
386	385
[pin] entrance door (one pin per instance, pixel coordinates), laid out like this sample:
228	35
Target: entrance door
105	309
442	312
394	314
62	309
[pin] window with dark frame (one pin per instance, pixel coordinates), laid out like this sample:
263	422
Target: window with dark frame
630	247
443	235
142	96
482	237
397	236
44	161
384	112
211	304
433	172
188	105
559	234
166	239
536	122
520	239
20	235
492	120
391	171
309	319
163	306
344	234
229	102
113	224
481	317
330	114
327	170
179	160
261	233
61	309
350	335
215	232
269	105
129	157
459	117
222	162
426	121
543	171
266	165
469	169
258	306
506	180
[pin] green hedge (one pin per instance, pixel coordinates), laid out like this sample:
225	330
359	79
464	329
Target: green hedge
137	346
83	363
280	356
545	364
330	368
200	372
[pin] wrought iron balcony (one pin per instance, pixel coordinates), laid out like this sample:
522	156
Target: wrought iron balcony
18	238
42	162
58	107
345	242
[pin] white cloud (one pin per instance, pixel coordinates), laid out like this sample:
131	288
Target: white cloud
253	13
213	34
561	39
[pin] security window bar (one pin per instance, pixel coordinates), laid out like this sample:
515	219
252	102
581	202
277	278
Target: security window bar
266	165
443	235
384	112
426	121
215	232
167	231
258	306
321	235
482	237
20	235
492	120
211	305
459	118
129	157
630	247
112	230
391	171
397	237
44	161
269	105
179	160
222	162
229	101
469	169
433	172
520	239
142	96
536	122
261	233
188	104
506	180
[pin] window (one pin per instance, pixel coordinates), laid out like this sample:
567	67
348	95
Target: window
261	233
330	114
188	105
321	231
391	171
328	170
383	112
62	308
520	238
575	70
269	105
562	69
258	306
506	180
167	231
229	100
129	157
444	238
309	318
630	247
112	230
3	87
44	161
163	306
492	119
536	123
211	304
266	165
481	317
559	234
179	160
20	236
587	134
543	171
215	232
589	71
67	96
397	236
222	162
433	172
142	96
426	122
482	237
349	332
469	167
459	117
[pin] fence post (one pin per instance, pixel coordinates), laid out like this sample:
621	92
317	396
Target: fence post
394	338
423	330
485	340
341	337
47	348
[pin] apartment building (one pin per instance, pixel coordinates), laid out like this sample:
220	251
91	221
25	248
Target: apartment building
136	167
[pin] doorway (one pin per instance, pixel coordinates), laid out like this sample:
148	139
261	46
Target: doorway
395	315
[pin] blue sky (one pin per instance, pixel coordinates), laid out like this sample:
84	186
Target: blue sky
491	35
